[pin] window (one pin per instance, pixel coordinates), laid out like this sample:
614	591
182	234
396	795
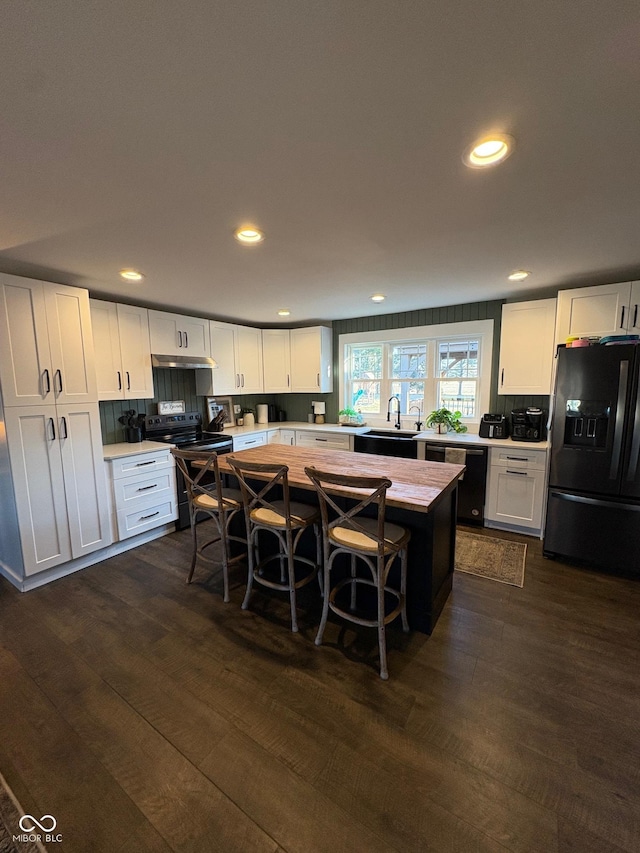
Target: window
430	367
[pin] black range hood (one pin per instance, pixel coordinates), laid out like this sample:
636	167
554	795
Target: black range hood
183	361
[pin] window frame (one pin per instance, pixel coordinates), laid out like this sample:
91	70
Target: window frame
482	330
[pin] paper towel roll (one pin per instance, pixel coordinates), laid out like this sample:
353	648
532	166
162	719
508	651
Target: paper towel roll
263	413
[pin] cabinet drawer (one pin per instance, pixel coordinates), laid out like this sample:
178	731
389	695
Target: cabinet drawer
518	459
330	441
135	520
134	492
141	463
240	442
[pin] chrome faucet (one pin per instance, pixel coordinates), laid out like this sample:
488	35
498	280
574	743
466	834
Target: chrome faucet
418	422
397	399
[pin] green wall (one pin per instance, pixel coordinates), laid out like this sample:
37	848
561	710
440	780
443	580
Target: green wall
172	384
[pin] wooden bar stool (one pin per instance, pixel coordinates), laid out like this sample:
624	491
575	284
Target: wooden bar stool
369	541
268	508
207	496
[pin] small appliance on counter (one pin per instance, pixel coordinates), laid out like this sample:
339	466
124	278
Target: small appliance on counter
493	426
528	424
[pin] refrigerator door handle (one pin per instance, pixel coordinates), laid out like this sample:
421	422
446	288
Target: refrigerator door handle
581	499
617	435
632	467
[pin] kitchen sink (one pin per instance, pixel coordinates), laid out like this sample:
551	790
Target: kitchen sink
387	442
391	433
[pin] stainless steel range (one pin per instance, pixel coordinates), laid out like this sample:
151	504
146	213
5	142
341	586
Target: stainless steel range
186	432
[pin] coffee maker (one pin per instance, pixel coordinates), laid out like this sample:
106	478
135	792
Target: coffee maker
528	424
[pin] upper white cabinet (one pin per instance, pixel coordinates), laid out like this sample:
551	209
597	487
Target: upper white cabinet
526	347
607	309
311	359
59	482
276	354
178	334
46	346
123	352
237	351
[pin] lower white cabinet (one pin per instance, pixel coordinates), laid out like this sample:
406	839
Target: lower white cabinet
59	483
143	491
282	436
327	440
254	439
516	489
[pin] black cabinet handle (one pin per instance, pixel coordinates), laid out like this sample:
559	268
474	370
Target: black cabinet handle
128	381
46	373
146	488
119	381
59	375
186	341
635	315
622	317
521	473
53	429
502	377
66	433
140	464
144	517
179	338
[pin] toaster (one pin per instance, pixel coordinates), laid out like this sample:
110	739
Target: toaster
493	426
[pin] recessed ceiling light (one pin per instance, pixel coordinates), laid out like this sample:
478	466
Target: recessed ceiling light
248	235
378	297
489	150
284	312
131	275
519	275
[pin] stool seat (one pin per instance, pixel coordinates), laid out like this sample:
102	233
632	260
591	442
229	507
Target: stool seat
276	515
365	539
231	499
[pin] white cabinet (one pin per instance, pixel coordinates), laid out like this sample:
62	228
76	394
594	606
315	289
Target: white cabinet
254	439
311	359
122	351
516	489
276	356
606	309
178	334
282	436
237	351
143	490
527	347
324	440
59	482
46	347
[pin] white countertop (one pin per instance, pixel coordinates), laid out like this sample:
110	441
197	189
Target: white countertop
426	435
113	451
126	448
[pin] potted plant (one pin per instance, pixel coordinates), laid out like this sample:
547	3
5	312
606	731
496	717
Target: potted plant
348	415
443	420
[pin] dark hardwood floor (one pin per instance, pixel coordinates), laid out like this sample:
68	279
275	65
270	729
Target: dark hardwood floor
147	715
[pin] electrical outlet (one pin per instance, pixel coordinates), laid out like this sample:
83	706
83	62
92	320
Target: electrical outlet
236	409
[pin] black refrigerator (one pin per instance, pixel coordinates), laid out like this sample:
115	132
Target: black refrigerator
593	507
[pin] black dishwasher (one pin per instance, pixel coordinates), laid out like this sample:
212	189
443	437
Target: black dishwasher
471	489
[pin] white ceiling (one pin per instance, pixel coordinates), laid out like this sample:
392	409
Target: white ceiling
142	133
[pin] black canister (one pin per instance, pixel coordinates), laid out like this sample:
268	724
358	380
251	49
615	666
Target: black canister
282	416
273	413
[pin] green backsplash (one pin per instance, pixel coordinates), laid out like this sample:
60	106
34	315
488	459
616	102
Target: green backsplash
173	384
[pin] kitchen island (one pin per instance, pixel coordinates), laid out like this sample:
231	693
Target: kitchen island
422	498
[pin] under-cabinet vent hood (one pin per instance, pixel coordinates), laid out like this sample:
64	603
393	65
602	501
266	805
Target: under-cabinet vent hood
183	361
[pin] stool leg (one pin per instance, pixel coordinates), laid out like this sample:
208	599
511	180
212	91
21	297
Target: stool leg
353	582
250	555
382	638
403	589
316	531
223	523
194	540
292	581
325	601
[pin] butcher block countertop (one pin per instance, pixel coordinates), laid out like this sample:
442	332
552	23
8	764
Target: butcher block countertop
416	485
